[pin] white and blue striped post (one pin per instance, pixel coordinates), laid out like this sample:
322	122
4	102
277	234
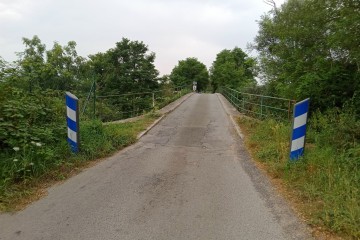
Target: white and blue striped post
301	110
72	114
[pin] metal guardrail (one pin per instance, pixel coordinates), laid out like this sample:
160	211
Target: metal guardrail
259	106
114	107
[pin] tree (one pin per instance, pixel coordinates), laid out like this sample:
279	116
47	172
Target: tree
63	66
189	70
3	67
310	49
56	69
232	68
126	68
32	62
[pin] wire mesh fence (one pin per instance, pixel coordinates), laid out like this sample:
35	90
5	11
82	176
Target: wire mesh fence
113	107
259	106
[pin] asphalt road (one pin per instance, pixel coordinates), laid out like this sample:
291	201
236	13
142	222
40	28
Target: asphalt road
188	178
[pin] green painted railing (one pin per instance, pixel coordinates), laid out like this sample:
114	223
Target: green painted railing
259	106
112	107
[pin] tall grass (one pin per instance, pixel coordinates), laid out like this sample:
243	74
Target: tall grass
327	178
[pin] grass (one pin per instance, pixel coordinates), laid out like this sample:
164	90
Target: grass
51	164
325	183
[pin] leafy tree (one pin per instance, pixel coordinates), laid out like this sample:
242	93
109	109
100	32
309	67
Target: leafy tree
56	69
126	68
63	66
189	70
310	49
32	62
232	68
3	66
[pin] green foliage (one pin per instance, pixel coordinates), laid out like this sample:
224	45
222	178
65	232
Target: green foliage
132	105
32	133
26	118
327	179
126	68
57	69
310	49
33	115
189	70
169	96
234	69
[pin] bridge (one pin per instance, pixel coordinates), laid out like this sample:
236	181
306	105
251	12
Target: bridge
189	177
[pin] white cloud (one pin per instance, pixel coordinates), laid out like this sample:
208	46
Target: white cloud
216	15
9	14
173	29
12	10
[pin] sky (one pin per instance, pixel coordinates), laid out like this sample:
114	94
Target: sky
173	29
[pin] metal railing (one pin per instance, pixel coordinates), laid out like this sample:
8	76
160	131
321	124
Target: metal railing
113	107
259	106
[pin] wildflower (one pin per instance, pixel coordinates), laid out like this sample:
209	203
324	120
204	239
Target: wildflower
15	160
32	142
31	164
16	149
38	144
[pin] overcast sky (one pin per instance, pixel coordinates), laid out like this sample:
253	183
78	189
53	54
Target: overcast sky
173	29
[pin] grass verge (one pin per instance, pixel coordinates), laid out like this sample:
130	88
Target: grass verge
325	184
97	141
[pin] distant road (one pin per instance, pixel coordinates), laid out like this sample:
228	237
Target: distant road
188	178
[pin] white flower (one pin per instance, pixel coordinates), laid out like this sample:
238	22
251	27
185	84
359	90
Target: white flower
38	144
31	164
15	160
32	142
16	149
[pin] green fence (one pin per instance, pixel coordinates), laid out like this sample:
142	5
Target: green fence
259	106
115	107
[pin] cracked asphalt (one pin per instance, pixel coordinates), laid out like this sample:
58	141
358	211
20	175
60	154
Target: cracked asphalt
190	177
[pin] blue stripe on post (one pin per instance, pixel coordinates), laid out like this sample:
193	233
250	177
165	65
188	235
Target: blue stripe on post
301	108
296	143
299	132
73	145
72	125
71	103
296	154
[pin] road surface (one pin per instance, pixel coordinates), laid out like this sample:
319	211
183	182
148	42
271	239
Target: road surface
188	178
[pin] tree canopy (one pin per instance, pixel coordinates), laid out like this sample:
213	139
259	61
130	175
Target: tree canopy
128	67
189	70
311	49
232	68
56	69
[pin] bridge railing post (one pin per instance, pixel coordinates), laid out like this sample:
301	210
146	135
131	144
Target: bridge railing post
153	100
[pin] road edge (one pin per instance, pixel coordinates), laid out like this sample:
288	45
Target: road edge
288	218
228	112
165	112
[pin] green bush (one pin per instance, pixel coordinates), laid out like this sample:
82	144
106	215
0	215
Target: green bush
26	118
30	126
